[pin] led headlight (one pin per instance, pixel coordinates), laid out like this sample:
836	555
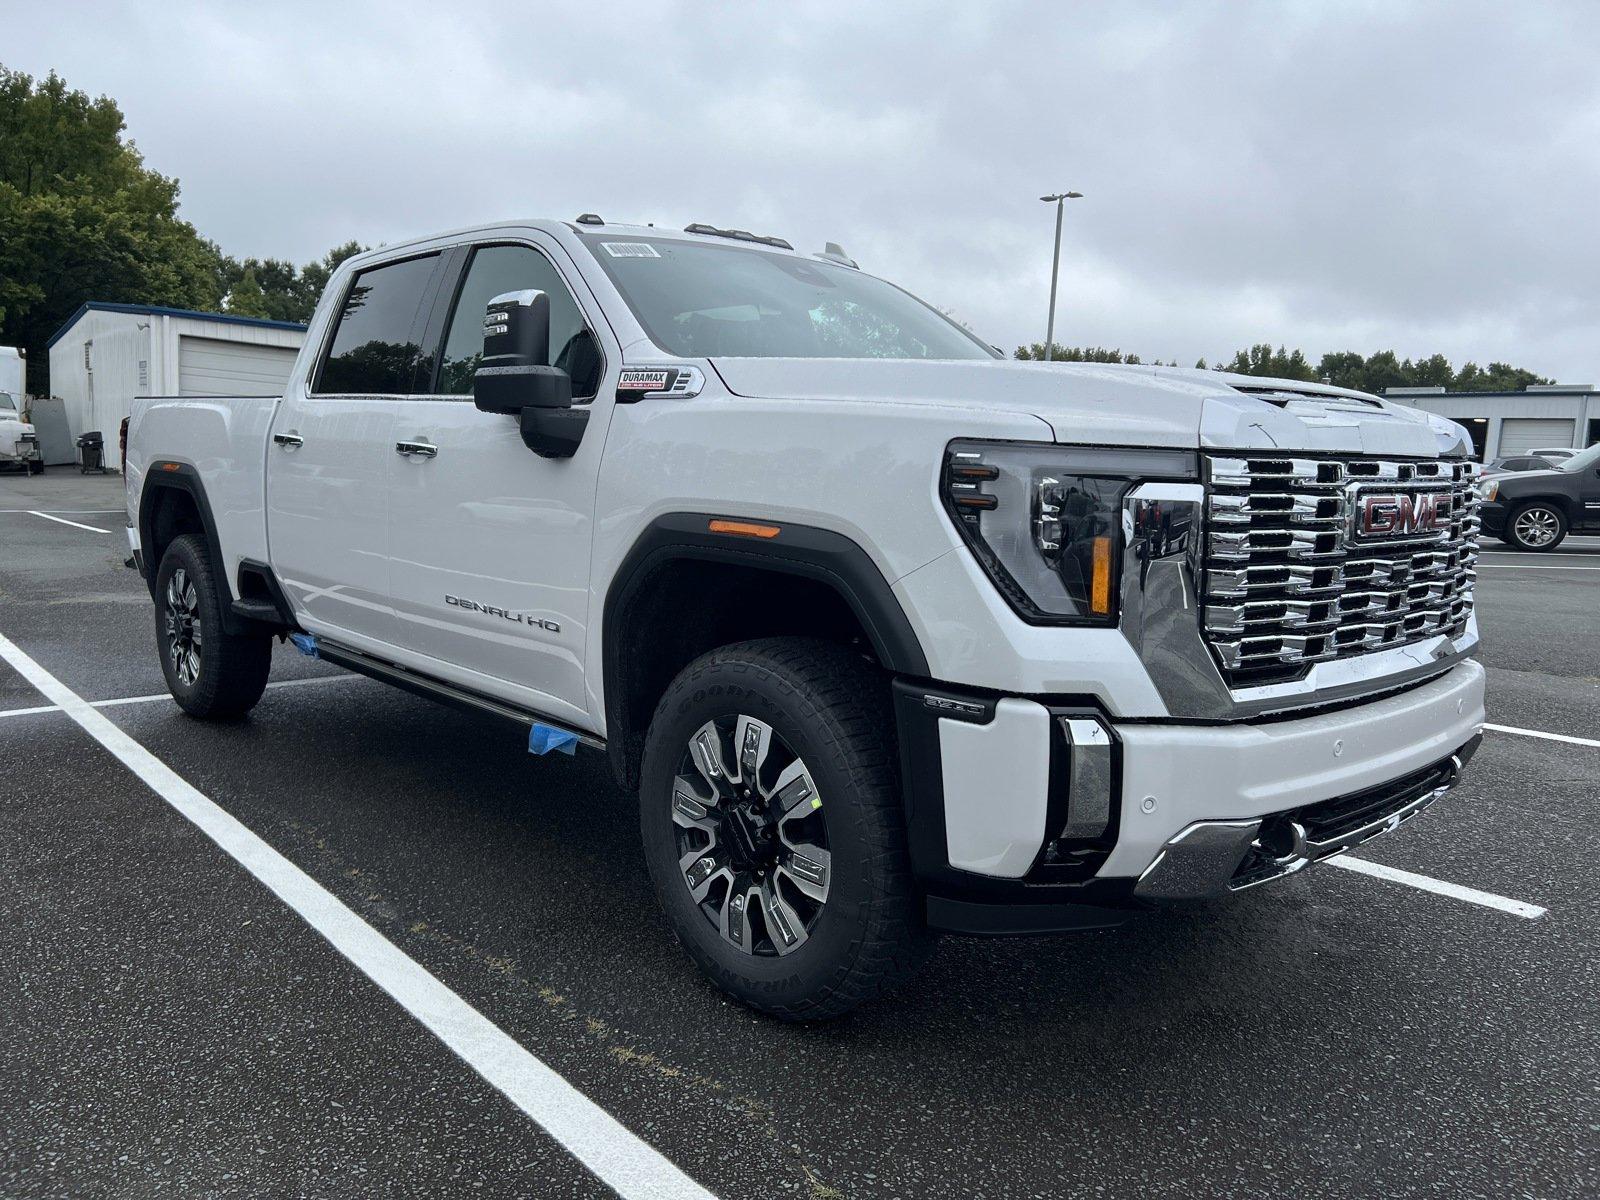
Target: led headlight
1046	521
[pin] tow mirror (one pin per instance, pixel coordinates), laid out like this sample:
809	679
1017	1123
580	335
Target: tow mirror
513	377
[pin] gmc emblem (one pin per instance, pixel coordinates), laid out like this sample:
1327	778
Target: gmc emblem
1399	514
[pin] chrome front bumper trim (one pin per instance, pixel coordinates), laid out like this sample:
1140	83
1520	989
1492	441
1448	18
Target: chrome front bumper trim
1210	858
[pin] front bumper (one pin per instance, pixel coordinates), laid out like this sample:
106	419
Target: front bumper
999	811
1492	513
1211	857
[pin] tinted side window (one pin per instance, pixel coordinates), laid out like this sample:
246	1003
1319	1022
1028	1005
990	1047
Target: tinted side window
374	350
498	269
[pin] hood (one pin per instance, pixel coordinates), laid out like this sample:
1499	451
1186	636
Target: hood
1095	404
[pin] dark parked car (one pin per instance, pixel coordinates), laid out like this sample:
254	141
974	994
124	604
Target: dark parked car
1535	510
1517	462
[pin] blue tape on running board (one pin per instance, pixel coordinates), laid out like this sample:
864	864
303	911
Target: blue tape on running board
306	643
542	739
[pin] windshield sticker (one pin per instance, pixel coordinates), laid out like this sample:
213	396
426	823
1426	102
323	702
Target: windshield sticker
630	249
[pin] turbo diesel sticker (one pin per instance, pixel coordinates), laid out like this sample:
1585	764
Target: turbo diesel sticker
630	249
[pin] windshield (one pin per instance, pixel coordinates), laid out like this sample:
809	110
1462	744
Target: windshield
8	403
708	301
1582	460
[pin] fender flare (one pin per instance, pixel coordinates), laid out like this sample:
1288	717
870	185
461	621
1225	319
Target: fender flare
183	477
818	554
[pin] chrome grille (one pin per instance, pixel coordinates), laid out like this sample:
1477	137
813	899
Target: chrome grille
1287	583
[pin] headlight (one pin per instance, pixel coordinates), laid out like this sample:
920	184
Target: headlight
1489	489
1046	521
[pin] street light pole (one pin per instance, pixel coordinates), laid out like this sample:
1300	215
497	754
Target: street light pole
1055	268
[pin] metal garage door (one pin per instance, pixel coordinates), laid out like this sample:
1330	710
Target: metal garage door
1518	435
211	367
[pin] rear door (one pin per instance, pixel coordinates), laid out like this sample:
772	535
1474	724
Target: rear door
332	454
489	542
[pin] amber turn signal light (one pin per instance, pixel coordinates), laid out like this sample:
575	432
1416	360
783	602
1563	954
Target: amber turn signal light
745	529
1100	587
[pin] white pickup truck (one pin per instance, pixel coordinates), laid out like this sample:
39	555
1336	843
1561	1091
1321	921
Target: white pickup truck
891	635
19	441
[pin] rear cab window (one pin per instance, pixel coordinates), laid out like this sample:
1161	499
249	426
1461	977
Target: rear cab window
376	345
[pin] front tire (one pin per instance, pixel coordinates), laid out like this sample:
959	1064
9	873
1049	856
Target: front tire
799	908
1536	525
211	673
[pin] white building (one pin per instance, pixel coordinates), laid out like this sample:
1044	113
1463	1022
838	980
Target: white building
106	354
1542	417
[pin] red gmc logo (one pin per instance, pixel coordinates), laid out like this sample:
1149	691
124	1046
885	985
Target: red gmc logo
1400	514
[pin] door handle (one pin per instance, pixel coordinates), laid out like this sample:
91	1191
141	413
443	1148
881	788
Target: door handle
289	439
417	449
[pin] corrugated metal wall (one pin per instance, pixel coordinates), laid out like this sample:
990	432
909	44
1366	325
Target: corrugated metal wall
107	358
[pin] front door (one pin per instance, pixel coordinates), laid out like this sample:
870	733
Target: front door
331	457
489	543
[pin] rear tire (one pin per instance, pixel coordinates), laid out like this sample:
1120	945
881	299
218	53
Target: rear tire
211	673
1536	525
831	916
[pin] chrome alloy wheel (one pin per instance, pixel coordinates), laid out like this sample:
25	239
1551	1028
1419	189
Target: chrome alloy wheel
752	840
1536	526
183	627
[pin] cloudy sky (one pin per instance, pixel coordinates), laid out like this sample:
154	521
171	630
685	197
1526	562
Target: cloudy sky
1422	177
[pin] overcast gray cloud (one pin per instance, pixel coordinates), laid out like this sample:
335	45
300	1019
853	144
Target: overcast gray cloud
1422	177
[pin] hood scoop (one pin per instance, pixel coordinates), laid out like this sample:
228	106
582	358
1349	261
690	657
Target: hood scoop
1283	397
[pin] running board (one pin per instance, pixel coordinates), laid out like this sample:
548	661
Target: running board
446	693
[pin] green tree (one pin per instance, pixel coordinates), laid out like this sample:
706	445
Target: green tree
287	294
1060	353
314	276
1262	359
82	218
1499	377
246	298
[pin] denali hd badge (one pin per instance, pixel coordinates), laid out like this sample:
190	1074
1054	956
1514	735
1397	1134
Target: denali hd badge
1380	515
515	617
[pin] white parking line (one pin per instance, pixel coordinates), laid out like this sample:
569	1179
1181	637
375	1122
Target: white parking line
1438	886
75	524
35	511
121	700
1539	733
1489	566
620	1159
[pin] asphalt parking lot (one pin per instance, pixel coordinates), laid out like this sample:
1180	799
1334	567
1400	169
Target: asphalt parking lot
173	1027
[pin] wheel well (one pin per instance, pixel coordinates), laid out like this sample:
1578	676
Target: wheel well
685	607
1568	506
172	512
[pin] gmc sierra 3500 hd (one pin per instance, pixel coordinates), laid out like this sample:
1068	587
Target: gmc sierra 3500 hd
891	635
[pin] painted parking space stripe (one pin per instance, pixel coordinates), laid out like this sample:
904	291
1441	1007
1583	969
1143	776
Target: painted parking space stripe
1438	887
70	511
1551	737
122	700
1489	566
618	1158
62	520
